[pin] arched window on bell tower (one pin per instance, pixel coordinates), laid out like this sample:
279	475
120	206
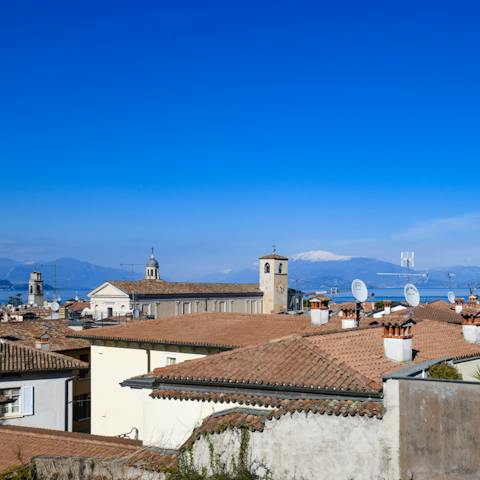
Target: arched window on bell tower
266	269
152	269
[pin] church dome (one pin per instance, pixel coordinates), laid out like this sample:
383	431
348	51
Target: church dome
152	262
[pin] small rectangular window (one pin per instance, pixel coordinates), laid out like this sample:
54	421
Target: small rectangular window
171	361
12	408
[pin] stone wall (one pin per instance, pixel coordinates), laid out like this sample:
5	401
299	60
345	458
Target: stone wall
439	428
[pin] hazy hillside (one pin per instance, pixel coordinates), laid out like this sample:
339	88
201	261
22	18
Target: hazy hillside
317	270
71	273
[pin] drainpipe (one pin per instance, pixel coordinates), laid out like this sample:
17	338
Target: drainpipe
68	404
148	360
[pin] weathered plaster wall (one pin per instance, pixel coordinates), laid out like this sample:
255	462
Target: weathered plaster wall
310	446
439	425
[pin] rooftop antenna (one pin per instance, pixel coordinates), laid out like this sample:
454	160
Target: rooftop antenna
360	293
132	267
407	260
451	293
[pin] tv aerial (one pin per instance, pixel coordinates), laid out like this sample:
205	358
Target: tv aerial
359	290
360	293
451	297
412	295
407	260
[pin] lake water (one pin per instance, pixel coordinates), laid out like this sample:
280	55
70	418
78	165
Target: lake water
396	294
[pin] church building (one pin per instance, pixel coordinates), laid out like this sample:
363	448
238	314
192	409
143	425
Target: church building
153	297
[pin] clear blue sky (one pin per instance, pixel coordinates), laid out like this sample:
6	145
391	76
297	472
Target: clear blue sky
212	130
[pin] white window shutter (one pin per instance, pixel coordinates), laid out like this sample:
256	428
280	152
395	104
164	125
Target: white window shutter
27	400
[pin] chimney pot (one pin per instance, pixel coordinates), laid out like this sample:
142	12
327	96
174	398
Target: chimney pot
398	341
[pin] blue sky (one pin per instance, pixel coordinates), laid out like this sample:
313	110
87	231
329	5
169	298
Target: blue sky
213	130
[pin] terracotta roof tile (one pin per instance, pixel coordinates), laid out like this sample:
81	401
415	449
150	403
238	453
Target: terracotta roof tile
363	349
28	332
21	444
350	360
221	330
288	362
160	287
20	358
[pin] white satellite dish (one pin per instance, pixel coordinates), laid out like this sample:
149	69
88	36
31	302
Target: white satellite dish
359	290
55	306
451	297
412	296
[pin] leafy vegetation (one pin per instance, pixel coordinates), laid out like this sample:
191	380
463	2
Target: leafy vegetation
444	370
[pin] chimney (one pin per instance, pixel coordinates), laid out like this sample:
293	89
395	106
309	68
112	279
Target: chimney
459	305
43	342
349	319
319	312
398	340
471	322
387	307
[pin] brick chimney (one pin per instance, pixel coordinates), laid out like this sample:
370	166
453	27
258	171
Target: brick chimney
349	319
319	312
471	321
398	339
43	342
387	307
459	304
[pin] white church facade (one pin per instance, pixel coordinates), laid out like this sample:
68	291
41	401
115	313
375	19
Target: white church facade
153	297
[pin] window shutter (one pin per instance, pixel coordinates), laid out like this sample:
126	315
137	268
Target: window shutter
27	400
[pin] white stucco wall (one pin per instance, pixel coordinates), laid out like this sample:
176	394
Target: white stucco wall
49	398
116	409
468	368
310	446
169	423
108	296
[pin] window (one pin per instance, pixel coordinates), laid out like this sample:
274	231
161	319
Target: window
280	267
13	407
81	407
187	308
171	361
222	306
266	269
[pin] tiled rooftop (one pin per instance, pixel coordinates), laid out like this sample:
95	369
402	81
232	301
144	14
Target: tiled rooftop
28	332
222	330
160	287
20	444
15	357
351	360
293	361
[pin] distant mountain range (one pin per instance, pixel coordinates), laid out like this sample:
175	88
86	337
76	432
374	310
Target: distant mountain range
70	273
313	270
318	270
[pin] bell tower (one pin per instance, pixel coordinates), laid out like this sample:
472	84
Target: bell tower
35	289
152	269
274	282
